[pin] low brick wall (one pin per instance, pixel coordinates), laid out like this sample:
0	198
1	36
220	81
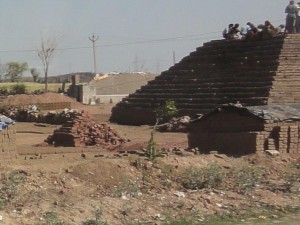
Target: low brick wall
8	152
54	105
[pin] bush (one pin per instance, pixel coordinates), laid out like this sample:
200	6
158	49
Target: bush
97	220
247	177
10	185
51	218
128	187
18	89
199	178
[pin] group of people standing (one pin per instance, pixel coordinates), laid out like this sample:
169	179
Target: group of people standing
292	18
267	30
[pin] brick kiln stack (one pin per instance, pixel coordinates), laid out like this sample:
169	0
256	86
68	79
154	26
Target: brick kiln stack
255	72
83	131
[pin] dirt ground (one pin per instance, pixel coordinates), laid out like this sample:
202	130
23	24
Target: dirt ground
51	185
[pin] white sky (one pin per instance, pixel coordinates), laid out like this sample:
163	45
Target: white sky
133	34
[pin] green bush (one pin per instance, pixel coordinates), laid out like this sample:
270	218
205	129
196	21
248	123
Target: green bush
199	178
128	187
10	185
18	89
152	151
97	220
246	177
51	218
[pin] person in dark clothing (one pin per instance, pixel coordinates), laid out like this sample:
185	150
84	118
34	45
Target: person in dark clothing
291	11
234	31
225	31
252	32
297	26
268	30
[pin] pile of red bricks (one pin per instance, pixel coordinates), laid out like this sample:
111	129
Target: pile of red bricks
83	131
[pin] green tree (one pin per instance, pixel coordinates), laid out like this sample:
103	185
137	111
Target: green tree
34	73
166	110
15	70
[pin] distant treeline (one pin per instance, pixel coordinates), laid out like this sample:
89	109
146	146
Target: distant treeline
84	77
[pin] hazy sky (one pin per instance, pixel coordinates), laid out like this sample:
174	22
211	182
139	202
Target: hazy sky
133	34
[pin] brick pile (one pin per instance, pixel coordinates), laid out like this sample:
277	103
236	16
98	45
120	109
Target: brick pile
83	131
8	153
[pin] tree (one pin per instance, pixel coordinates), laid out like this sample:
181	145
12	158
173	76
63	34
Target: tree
164	111
46	53
14	70
34	73
3	70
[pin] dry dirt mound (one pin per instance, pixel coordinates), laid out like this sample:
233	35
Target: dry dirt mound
24	99
108	173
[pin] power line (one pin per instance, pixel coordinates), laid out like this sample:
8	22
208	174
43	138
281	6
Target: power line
115	44
127	43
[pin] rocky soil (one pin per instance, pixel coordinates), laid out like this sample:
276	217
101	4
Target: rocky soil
91	185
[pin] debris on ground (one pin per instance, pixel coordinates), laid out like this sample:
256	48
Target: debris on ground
176	124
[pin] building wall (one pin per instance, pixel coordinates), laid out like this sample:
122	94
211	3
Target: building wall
8	153
89	96
227	143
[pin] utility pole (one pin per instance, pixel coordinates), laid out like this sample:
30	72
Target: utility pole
94	39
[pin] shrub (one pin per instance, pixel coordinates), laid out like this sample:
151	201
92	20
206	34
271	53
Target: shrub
152	152
199	178
128	187
18	89
97	220
51	218
10	185
247	177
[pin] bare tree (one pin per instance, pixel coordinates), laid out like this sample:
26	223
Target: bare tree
46	53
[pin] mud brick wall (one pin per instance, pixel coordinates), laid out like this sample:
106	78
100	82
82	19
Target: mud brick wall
283	137
54	105
220	72
8	153
227	143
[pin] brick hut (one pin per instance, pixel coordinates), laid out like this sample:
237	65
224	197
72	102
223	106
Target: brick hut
232	129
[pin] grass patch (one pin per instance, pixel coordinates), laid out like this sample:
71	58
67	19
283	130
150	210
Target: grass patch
128	187
51	218
10	185
199	178
97	220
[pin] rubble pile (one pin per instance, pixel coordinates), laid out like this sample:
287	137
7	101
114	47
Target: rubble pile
176	125
32	113
82	131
